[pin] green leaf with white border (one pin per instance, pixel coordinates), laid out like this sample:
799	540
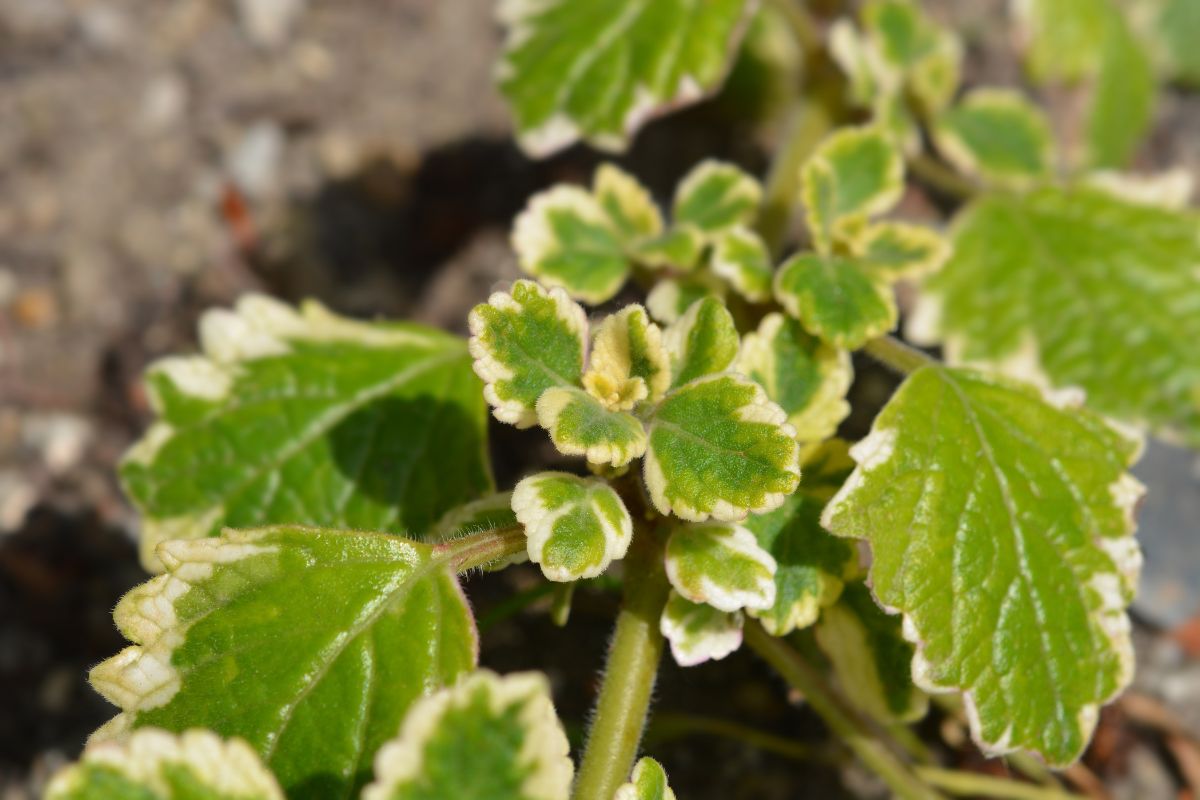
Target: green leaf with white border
720	564
575	526
716	197
909	44
310	644
856	173
627	348
740	257
486	738
1000	523
595	70
300	416
524	341
719	448
629	207
678	249
897	250
702	342
871	659
648	782
839	299
812	566
1078	287
697	632
581	425
672	297
997	134
806	377
156	765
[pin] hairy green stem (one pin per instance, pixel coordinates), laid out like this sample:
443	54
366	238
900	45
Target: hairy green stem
629	674
842	719
893	353
973	784
480	549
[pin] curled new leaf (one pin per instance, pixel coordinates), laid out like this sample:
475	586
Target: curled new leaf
697	632
486	738
648	782
628	347
155	765
720	564
575	526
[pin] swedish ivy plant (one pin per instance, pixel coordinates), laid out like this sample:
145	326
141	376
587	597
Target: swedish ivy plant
314	488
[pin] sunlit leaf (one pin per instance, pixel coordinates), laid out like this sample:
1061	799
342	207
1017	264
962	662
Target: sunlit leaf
486	738
581	425
720	564
322	642
997	134
576	526
301	416
1000	526
841	300
697	632
628	205
702	342
628	348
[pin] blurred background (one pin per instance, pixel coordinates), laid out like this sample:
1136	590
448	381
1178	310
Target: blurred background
159	157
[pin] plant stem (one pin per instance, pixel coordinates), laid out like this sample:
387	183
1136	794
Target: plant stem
629	674
937	175
480	549
974	784
844	721
893	353
809	123
674	726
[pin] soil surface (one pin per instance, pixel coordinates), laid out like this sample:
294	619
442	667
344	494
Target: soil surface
157	159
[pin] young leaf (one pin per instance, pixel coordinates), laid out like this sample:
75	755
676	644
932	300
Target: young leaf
1001	526
910	45
565	238
648	782
1085	289
698	632
156	765
897	250
592	70
629	207
720	564
719	448
486	738
702	342
310	644
997	134
716	197
628	347
741	257
301	416
870	657
678	249
839	299
807	378
855	173
811	565
581	425
525	341
576	526
672	297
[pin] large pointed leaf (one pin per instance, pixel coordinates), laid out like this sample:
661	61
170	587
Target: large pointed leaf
1000	526
1084	289
596	69
309	644
305	417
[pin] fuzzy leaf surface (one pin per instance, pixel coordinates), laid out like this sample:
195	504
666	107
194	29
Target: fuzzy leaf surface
720	564
702	342
1085	289
595	70
580	425
575	526
486	738
697	632
1001	527
301	416
310	644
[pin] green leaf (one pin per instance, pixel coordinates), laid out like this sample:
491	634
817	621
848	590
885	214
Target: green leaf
702	342
672	297
648	782
698	632
310	644
870	657
628	349
576	526
156	765
720	448
486	738
1000	526
581	425
677	249
525	341
855	173
897	250
997	134
1076	287
301	416
839	299
716	197
807	378
741	257
1178	27
565	238
811	565
595	70
629	207
720	564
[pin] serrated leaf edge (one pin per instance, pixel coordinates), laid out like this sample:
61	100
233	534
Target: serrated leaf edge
739	541
539	523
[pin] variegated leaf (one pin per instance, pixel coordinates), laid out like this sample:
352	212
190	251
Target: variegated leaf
672	297
842	300
678	249
716	197
856	173
897	250
702	342
576	526
720	564
648	782
581	425
627	348
742	259
697	632
998	135
629	207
